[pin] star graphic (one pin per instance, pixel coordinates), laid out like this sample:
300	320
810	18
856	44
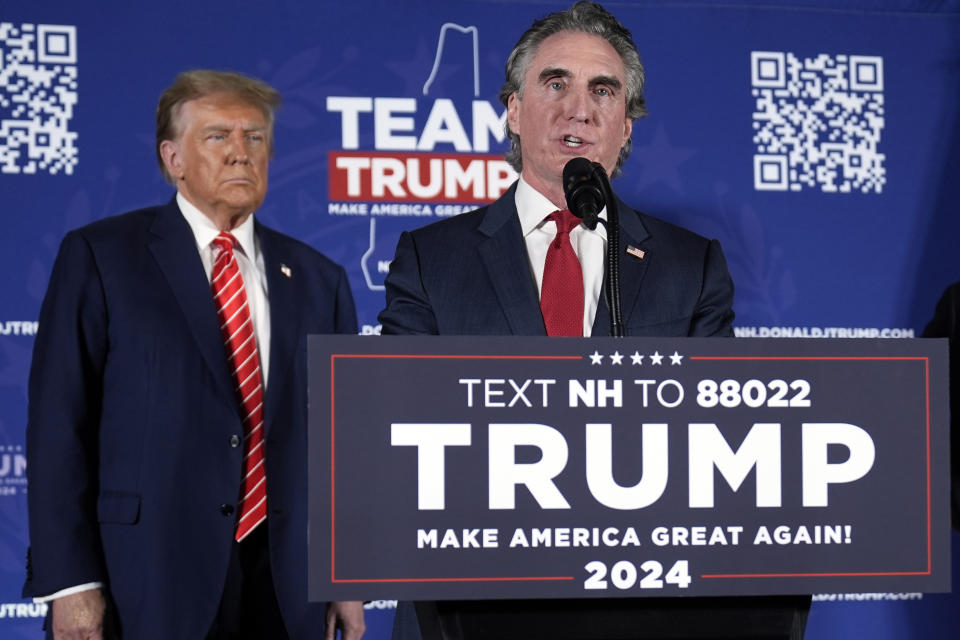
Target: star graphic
636	358
656	358
616	358
596	358
660	161
675	358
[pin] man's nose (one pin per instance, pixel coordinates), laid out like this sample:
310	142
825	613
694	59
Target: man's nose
578	106
237	149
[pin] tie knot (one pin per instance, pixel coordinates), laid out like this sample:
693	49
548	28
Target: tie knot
565	220
225	242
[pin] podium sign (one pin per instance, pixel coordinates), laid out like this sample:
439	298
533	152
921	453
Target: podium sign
506	467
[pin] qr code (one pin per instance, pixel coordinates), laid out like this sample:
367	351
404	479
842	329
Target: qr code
818	122
38	93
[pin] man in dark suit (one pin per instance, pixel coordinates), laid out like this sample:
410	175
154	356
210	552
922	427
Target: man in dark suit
574	87
946	324
167	423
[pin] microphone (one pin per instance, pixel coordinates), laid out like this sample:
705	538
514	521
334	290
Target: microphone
587	190
583	191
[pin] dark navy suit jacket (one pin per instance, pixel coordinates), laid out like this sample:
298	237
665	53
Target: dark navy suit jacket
469	275
946	324
132	464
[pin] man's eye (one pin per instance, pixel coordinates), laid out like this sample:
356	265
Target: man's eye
602	91
255	137
556	85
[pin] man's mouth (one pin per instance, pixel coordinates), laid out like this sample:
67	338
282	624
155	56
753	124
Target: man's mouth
572	141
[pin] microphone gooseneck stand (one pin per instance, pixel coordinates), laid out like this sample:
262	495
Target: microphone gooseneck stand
587	190
611	275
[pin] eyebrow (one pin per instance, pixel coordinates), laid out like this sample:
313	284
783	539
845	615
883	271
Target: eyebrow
559	72
227	127
609	81
553	72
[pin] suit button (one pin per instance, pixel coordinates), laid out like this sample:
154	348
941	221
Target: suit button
234	441
226	509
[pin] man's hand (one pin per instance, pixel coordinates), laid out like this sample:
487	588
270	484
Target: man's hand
348	618
79	616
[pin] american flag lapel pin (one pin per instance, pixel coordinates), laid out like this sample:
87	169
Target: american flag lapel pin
285	270
636	253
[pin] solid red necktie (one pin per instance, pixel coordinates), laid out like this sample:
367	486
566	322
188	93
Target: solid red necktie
561	294
240	344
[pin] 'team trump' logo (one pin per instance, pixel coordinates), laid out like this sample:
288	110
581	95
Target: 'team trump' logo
433	165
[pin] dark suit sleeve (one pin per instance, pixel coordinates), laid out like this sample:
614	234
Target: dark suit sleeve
713	315
346	313
65	391
946	324
408	309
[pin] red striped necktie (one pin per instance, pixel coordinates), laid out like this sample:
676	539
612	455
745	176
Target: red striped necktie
561	293
240	344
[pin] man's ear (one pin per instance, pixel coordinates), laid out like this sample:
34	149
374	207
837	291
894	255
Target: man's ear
513	113
172	160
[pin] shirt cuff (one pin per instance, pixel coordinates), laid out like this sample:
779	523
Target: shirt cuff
68	591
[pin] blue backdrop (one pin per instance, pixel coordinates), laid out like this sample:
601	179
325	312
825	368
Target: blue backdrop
819	141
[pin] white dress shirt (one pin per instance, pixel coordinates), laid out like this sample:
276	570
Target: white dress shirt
254	274
538	232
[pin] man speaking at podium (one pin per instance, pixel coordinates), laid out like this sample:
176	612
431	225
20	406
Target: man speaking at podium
524	265
574	86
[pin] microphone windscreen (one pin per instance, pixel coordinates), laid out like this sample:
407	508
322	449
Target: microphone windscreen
574	172
583	191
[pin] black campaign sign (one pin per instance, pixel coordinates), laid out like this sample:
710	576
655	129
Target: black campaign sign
468	467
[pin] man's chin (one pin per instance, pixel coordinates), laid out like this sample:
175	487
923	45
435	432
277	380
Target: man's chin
242	197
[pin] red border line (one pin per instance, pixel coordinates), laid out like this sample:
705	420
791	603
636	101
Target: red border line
333	359
333	476
815	575
808	358
929	499
388	356
505	579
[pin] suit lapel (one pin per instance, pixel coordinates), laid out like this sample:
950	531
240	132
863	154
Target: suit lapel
632	269
175	250
504	256
285	321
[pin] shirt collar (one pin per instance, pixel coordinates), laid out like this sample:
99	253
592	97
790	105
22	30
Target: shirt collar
533	207
204	231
